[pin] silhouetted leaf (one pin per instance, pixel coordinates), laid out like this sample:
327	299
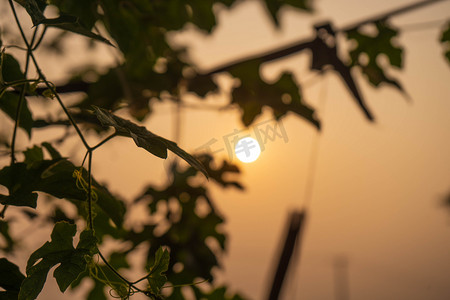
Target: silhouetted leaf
10	72
54	177
51	150
8	104
145	139
6	237
85	10
188	231
118	261
59	251
273	6
202	85
75	27
369	48
32	155
64	21
445	40
282	96
19	181
10	279
34	10
326	54
220	174
156	278
218	293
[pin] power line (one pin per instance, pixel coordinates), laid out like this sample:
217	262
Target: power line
300	45
422	25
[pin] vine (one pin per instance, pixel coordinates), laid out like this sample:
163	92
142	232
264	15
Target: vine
124	290
151	68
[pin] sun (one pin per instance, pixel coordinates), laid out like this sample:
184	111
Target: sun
247	150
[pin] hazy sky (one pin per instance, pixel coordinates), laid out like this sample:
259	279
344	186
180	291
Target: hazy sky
378	187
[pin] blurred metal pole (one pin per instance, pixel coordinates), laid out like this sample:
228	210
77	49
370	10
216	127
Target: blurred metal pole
341	278
293	237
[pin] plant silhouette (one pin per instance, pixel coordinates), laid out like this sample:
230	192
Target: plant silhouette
179	254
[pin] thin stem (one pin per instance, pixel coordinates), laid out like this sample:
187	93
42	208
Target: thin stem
18	111
104	141
89	149
42	76
84	158
21	100
90	218
40	38
130	284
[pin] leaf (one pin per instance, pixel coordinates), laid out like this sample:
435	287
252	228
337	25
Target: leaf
187	228
118	261
156	278
220	174
326	54
254	93
10	277
72	261
51	150
372	48
10	69
75	27
33	10
202	85
19	181
10	72
33	155
54	177
4	232
64	21
445	40
84	10
8	104
273	7
143	138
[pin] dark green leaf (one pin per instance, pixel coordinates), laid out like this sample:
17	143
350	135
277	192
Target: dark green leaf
202	85
33	155
369	48
75	27
10	69
254	93
64	21
156	278
145	139
10	276
4	232
54	177
58	181
273	7
85	10
8	104
59	251
19	182
33	9
118	261
51	150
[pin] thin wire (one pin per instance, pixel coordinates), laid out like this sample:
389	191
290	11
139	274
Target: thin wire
314	154
309	187
422	25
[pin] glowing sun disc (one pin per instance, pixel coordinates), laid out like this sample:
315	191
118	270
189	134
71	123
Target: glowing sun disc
247	150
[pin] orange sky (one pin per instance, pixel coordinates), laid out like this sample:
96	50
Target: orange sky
378	187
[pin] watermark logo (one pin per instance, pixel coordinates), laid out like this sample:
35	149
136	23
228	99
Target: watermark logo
247	145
